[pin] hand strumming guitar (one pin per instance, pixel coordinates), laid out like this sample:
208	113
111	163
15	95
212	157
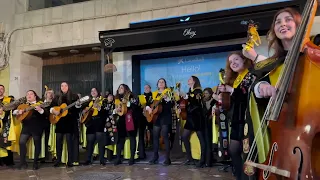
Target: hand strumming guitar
20	112
55	112
149	109
38	108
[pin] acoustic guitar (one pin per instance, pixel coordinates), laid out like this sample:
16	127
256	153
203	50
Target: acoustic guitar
123	105
63	109
91	111
156	108
11	106
27	110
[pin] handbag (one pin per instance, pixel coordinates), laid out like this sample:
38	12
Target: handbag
129	121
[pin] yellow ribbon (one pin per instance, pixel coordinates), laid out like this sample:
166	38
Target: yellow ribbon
240	77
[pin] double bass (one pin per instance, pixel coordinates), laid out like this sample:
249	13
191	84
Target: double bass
293	114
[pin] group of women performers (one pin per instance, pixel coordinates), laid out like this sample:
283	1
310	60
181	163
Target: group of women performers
117	132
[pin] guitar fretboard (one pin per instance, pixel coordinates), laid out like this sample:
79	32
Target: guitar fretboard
69	106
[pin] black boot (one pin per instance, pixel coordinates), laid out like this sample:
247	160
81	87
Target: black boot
35	166
117	161
154	160
189	162
87	163
131	161
23	165
57	164
167	162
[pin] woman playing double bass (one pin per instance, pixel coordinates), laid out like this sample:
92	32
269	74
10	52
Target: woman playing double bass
256	137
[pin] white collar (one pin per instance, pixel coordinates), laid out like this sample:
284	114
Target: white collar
33	102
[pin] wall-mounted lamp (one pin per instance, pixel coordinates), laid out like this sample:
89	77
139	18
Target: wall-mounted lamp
2	28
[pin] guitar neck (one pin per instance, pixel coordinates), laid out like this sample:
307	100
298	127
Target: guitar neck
69	106
12	105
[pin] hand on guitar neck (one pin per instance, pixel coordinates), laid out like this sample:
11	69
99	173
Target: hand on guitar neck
225	88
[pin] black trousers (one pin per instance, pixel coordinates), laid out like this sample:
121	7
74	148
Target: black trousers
23	147
59	143
156	138
208	141
186	141
142	134
120	146
100	138
47	134
75	146
8	161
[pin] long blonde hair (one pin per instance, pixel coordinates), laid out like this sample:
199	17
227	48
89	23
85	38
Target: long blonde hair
46	94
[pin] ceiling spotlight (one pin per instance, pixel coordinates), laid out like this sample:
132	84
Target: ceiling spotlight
96	49
74	51
53	54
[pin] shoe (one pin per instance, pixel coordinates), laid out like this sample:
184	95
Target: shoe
42	160
95	158
102	163
23	166
167	162
200	165
154	161
131	162
87	163
69	165
189	162
57	164
35	166
117	162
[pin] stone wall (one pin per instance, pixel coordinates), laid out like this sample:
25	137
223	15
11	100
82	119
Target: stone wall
78	24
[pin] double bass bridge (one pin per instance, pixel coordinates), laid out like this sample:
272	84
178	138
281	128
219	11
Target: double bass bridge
271	169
